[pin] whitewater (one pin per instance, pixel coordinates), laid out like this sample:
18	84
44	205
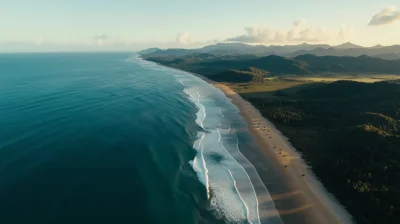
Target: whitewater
229	178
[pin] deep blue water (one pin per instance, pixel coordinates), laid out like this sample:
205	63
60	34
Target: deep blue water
110	138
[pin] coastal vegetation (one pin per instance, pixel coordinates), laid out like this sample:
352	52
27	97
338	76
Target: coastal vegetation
304	65
245	75
348	131
346	49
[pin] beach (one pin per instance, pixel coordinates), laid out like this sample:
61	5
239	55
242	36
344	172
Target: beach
298	196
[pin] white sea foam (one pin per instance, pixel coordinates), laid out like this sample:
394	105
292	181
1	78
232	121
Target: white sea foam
240	196
229	199
227	175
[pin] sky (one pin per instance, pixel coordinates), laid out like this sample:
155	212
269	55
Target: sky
101	25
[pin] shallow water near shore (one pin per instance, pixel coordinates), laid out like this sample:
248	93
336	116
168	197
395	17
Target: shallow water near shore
108	137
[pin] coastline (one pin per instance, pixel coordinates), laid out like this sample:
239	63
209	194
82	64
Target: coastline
299	197
297	194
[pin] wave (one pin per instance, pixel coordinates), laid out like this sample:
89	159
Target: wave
252	187
226	174
240	196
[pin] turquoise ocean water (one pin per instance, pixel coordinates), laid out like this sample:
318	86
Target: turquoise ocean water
111	138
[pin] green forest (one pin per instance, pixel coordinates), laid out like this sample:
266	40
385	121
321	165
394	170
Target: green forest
219	68
349	132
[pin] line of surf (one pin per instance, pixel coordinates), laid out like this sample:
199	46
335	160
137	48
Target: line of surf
201	168
200	123
251	184
240	196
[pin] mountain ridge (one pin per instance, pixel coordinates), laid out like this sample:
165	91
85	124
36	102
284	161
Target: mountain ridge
222	49
308	64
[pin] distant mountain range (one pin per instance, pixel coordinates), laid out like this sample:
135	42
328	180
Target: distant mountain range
347	45
223	49
238	68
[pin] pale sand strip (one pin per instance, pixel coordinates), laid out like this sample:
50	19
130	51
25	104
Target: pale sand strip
298	196
305	199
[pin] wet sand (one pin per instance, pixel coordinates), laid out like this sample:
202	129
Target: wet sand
298	196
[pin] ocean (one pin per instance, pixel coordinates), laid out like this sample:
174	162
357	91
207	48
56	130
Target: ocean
111	138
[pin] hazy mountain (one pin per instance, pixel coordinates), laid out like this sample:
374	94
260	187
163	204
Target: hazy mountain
243	75
347	45
388	56
223	49
209	65
176	52
150	50
361	63
317	51
376	46
235	48
389	52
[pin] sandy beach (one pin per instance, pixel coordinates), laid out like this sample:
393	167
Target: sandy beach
298	196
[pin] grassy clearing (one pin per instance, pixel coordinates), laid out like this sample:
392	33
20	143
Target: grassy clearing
333	78
269	89
269	86
347	131
290	85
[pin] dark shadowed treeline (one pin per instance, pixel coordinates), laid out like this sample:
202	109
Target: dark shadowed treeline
349	132
219	68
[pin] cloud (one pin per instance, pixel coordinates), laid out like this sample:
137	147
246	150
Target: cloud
39	40
258	34
387	15
103	42
184	38
100	39
103	36
299	32
345	32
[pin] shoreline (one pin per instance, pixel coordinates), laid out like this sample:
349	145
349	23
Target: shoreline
296	192
313	204
302	199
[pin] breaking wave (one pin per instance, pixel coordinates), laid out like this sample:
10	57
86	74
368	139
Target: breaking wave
226	174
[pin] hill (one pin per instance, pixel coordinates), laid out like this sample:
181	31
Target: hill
245	75
209	65
363	63
347	45
221	49
348	131
149	51
345	49
382	51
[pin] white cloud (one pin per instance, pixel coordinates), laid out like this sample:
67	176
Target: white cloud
183	38
39	40
257	34
100	39
299	32
387	15
103	42
345	32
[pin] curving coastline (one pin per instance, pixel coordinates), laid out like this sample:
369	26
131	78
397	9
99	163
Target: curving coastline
292	192
232	182
307	201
